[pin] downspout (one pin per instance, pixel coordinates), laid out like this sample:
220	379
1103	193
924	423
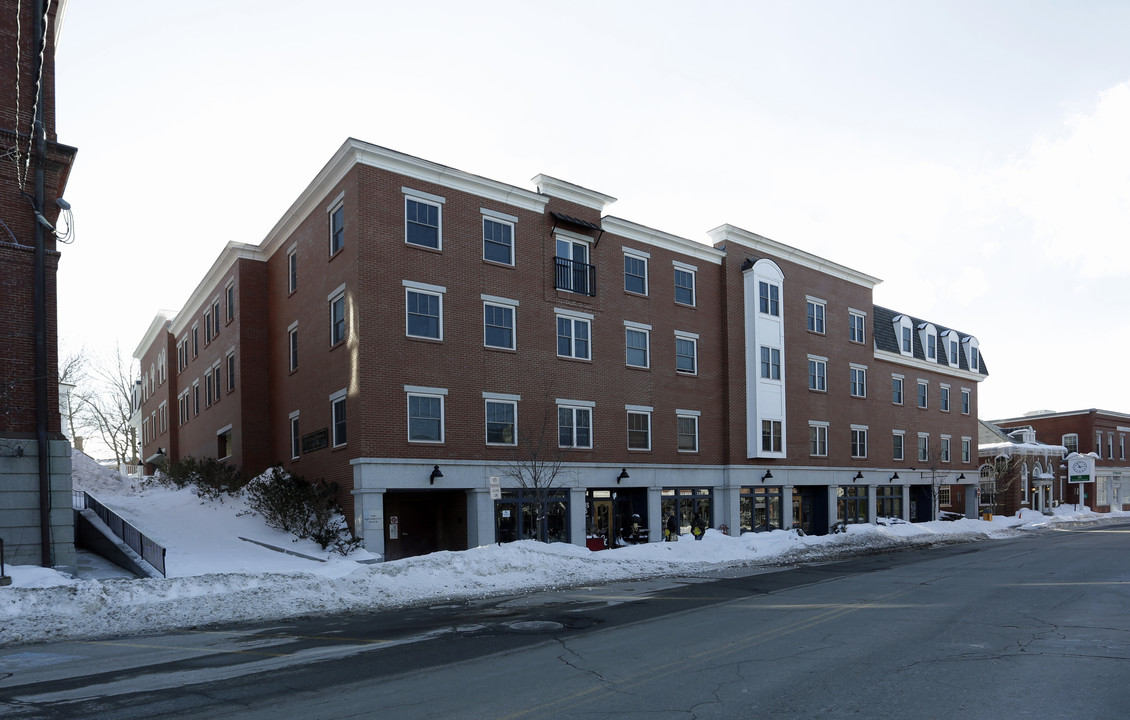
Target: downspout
40	296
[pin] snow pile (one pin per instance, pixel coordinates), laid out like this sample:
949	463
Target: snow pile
217	577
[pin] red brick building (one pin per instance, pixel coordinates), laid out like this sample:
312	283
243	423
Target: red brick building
416	333
1101	432
36	521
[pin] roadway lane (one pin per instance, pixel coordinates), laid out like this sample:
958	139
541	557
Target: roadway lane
1035	627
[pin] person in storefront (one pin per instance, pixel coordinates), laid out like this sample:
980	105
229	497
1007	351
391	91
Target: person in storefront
671	531
698	526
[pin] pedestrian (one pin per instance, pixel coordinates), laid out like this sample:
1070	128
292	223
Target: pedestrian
698	526
671	532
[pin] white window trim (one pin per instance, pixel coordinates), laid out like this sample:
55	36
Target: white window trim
574	316
693	270
566	404
945	399
901	434
823	304
292	417
503	303
900	322
646	257
820	360
426	289
427	199
925	397
292	332
926	331
646	330
693	337
851	390
860	314
333	297
501	399
818	424
504	219
695	415
420	391
639	410
866	440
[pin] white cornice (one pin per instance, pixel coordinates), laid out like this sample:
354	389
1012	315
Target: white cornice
355	152
1068	413
212	280
160	322
657	238
724	233
563	190
940	368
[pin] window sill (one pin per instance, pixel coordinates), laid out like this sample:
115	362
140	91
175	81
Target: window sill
420	338
424	247
682	304
574	359
496	263
509	351
637	367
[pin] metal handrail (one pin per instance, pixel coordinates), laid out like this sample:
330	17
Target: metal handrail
144	546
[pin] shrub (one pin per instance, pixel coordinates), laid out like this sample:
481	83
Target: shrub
307	509
210	478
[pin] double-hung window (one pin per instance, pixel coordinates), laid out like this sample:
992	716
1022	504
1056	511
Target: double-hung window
498	322
771	436
923	447
231	370
964	401
337	417
966	444
814	311
295	437
574	331
422	218
635	271
817	373
898	449
686	428
639	427
686	352
292	269
818	439
945	448
337	228
923	394
292	345
425	414
337	315
944	400
896	389
858	381
859	441
637	340
857	323
498	236
684	283
770	363
502	418
423	310
574	423
229	293
769	298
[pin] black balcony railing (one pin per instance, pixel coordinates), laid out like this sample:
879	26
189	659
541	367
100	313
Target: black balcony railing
150	551
577	277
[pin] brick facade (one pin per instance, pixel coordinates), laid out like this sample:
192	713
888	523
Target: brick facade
693	375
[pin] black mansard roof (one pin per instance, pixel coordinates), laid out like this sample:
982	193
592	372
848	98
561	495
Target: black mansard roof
883	331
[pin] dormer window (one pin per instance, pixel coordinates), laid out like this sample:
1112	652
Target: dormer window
904	332
972	354
950	343
928	336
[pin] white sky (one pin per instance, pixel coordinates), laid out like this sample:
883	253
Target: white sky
974	155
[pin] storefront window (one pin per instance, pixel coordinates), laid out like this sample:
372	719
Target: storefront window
888	501
851	504
517	516
684	502
760	509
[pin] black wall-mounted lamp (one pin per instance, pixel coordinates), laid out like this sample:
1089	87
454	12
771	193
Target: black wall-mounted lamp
622	476
767	476
961	477
894	477
858	476
435	474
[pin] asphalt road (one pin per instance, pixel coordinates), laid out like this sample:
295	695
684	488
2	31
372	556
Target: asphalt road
1037	627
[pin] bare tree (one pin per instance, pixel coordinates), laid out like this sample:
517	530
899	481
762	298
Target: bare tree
1005	472
538	467
105	403
938	478
72	371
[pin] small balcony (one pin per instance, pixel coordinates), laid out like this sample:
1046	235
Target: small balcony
575	277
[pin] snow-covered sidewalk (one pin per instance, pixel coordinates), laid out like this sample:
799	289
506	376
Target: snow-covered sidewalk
216	577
